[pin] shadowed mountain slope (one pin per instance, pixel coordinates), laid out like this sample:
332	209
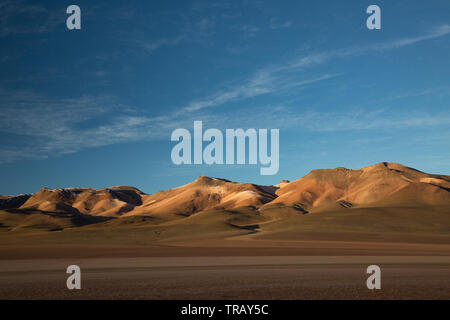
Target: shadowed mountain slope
112	201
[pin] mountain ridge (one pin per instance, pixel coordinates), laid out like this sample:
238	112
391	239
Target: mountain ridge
383	184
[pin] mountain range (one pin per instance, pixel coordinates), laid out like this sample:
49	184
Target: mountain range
242	206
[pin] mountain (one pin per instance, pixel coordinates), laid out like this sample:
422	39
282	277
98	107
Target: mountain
106	202
205	194
245	206
382	183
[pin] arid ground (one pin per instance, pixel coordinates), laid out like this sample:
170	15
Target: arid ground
246	268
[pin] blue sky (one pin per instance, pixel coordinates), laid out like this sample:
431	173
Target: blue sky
95	107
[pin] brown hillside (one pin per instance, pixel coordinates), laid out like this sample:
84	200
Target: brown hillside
106	202
204	194
383	182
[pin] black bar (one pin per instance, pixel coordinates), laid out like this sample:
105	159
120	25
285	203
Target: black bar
367	309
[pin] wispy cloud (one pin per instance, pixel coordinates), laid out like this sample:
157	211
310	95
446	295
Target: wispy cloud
45	126
274	25
51	127
191	31
151	46
398	43
259	84
19	17
57	126
367	120
361	119
199	30
34	126
274	78
248	31
323	57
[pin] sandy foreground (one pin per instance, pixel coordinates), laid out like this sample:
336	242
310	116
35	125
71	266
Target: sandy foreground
264	272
